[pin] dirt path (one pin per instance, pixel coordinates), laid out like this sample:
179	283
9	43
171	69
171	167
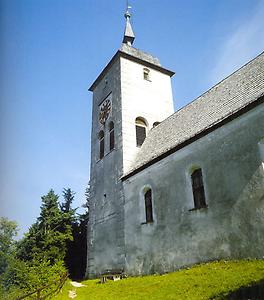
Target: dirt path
73	293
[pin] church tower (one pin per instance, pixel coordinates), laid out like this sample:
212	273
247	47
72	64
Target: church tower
131	95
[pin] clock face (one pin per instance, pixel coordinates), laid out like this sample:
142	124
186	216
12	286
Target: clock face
105	110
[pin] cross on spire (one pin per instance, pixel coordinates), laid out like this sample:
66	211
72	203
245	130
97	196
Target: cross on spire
129	34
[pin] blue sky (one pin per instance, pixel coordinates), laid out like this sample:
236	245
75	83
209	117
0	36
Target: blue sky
52	50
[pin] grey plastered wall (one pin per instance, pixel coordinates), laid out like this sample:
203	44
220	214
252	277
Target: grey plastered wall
106	217
233	224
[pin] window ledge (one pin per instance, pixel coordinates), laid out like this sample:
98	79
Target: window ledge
100	159
145	223
199	208
110	151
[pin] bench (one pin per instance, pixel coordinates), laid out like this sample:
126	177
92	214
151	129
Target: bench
112	275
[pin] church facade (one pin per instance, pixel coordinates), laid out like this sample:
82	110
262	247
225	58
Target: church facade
173	189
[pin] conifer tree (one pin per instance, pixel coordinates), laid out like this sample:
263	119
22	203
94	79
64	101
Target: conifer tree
47	238
76	254
71	220
66	205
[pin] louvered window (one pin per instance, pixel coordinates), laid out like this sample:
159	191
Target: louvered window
101	144
141	135
198	189
141	131
148	206
111	136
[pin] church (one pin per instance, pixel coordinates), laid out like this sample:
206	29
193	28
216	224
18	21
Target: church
171	189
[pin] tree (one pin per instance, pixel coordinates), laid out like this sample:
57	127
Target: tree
39	256
8	230
68	196
54	228
82	241
83	225
71	220
76	255
22	277
29	247
87	197
47	238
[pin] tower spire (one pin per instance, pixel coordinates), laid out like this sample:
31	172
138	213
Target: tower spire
129	34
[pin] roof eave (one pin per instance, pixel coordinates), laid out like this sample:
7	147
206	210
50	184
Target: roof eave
120	53
101	75
258	101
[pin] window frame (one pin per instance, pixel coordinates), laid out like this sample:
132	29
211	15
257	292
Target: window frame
198	190
111	129
146	74
141	131
148	206
101	137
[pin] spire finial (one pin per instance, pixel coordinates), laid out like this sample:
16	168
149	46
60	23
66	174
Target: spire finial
129	34
127	13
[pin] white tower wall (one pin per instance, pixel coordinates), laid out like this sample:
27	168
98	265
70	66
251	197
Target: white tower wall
150	99
131	96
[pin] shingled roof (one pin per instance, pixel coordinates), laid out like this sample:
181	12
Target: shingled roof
135	55
239	91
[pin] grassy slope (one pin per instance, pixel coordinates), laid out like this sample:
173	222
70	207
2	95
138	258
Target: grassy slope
205	281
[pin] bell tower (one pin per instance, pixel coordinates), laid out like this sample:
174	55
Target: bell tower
131	95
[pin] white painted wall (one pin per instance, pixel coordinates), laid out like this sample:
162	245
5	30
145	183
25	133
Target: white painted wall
131	97
233	224
151	100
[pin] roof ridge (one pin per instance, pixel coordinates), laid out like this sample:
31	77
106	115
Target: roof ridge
227	98
217	84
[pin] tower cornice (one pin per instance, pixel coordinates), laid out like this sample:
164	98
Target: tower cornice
136	55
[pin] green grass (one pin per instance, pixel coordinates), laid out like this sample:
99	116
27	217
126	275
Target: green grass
204	281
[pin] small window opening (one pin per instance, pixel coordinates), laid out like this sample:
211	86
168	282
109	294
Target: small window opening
101	144
146	74
111	135
198	189
148	206
141	131
156	124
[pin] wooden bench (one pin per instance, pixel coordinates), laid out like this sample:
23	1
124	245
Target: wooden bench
112	275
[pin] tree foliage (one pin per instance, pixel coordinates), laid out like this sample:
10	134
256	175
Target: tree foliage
47	238
22	277
75	258
8	230
39	256
57	238
87	197
66	206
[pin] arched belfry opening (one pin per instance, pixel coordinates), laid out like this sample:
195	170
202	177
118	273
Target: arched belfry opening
141	130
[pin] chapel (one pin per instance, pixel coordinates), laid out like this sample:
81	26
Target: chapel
170	189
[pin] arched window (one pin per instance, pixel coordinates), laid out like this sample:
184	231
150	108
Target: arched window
198	189
111	136
141	131
101	144
156	124
148	206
